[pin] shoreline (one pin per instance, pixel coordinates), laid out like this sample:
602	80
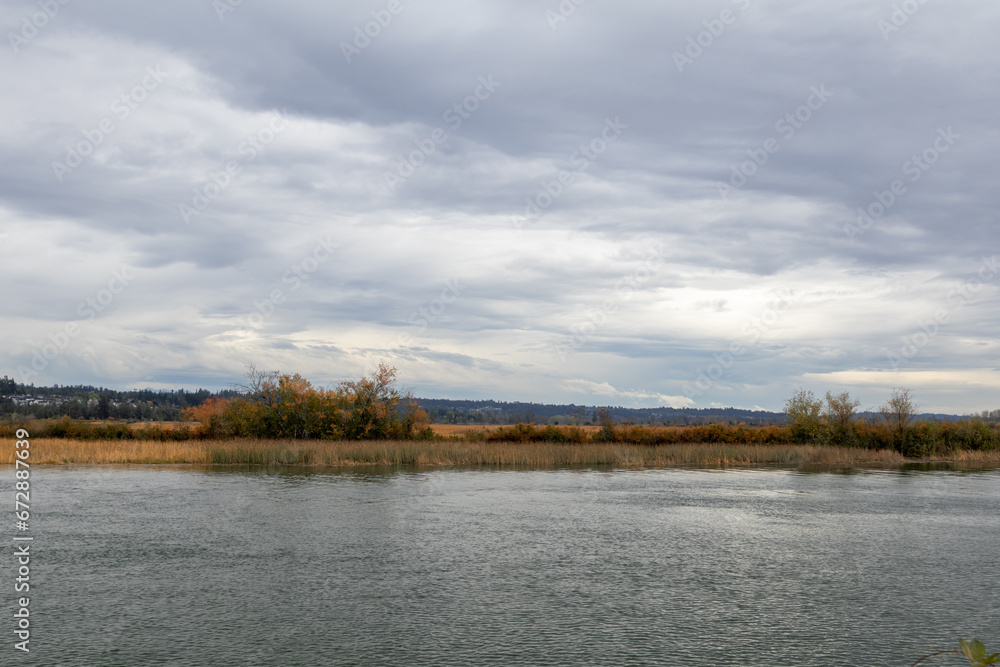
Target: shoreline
469	454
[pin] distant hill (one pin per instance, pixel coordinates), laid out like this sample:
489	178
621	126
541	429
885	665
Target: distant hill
444	411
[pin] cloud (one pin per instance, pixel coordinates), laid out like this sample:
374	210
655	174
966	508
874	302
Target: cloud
193	101
632	396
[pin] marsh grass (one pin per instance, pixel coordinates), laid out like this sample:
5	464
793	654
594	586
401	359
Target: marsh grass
63	450
460	453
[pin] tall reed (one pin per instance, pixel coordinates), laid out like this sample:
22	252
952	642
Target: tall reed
462	453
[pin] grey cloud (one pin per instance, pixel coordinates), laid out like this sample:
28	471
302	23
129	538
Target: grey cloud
455	217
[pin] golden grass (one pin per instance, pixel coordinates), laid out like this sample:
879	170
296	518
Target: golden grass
461	453
65	450
976	458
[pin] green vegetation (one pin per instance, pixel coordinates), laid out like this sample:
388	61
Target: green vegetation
895	426
974	651
922	440
803	419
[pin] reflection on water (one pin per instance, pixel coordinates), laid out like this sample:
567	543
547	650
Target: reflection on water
223	566
898	468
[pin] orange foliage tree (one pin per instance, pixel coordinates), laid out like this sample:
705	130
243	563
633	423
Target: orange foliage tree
210	415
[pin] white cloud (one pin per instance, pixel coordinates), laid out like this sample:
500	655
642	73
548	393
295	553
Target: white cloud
527	292
635	398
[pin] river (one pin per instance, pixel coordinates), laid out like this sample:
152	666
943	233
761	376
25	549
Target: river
162	565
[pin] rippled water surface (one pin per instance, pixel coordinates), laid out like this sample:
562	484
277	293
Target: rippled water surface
160	565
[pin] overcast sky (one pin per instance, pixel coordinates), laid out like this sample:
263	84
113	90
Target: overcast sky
630	203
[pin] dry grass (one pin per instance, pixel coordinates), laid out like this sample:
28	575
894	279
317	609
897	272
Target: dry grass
462	453
976	458
64	450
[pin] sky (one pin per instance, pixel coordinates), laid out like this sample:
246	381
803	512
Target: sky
687	204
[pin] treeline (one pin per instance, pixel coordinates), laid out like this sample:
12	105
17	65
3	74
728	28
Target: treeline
101	407
449	411
90	402
991	416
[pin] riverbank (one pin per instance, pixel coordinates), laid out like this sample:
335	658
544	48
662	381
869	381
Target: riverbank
462	453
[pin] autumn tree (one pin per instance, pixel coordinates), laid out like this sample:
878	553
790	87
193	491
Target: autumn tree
899	410
840	409
375	408
802	416
210	416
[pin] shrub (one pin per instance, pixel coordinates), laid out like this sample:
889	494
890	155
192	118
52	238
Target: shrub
607	432
974	434
918	441
288	406
873	436
517	433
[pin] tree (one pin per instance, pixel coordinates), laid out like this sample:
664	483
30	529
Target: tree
262	386
840	409
992	416
802	416
899	410
210	415
103	407
9	387
607	432
375	408
839	412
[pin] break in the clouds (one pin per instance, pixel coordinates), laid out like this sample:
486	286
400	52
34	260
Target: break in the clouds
636	203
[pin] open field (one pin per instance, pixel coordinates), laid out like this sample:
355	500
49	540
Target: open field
131	425
446	430
458	430
459	453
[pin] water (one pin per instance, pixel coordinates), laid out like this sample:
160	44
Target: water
185	566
